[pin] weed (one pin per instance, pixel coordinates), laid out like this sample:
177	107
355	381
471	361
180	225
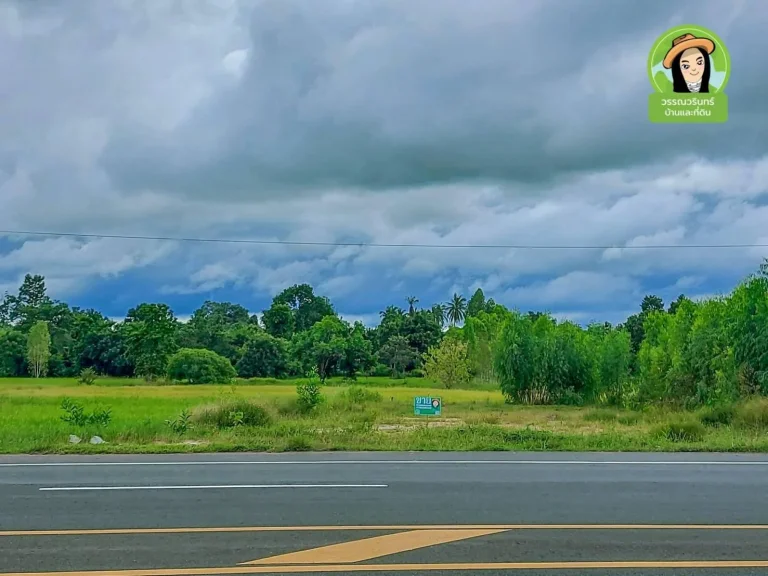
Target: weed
181	423
298	444
74	413
721	415
288	406
628	419
236	418
363	421
752	415
87	376
681	431
484	419
233	413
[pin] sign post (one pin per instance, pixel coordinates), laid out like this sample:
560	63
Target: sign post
427	406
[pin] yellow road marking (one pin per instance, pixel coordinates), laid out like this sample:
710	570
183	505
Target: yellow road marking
368	548
313	568
226	529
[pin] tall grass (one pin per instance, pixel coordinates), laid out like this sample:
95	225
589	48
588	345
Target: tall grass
353	417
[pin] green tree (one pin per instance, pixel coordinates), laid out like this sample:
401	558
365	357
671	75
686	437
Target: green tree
611	350
747	327
514	360
39	349
412	301
13	347
200	366
438	314
476	304
652	303
265	357
710	355
421	330
5	310
481	333
542	362
150	332
397	354
32	305
106	351
279	321
448	363
673	306
358	352
219	326
32	296
307	308
456	309
634	324
391	324
323	347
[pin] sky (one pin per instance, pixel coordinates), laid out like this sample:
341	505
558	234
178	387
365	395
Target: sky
492	122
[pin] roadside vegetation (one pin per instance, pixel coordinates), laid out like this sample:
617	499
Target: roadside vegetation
688	376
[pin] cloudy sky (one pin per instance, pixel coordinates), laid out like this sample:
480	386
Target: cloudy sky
491	122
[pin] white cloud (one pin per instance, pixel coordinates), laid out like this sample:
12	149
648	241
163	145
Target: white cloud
369	320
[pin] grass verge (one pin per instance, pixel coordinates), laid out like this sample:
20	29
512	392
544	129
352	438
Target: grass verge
265	416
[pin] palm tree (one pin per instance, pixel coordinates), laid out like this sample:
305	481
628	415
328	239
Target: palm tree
456	309
438	313
391	312
411	301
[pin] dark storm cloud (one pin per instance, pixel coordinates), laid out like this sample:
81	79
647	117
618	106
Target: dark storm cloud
404	93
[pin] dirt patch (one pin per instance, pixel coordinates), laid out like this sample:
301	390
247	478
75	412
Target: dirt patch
184	443
415	423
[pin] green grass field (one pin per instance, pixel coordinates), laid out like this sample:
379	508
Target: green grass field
372	414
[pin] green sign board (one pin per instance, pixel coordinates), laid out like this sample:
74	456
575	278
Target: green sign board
427	406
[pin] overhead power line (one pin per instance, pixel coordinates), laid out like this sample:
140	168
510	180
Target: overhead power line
378	244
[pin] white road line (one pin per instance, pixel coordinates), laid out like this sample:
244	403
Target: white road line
208	487
398	462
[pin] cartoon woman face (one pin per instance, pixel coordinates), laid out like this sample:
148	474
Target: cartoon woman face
692	65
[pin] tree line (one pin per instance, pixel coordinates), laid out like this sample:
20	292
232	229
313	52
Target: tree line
689	352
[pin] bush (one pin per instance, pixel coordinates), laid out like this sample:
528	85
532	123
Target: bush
180	424
264	357
200	366
448	363
309	396
74	413
721	415
233	413
87	376
569	397
381	371
753	414
681	431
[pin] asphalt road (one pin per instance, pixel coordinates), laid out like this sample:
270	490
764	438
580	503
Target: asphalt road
418	513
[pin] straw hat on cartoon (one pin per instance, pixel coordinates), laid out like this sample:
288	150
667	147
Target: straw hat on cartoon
682	43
